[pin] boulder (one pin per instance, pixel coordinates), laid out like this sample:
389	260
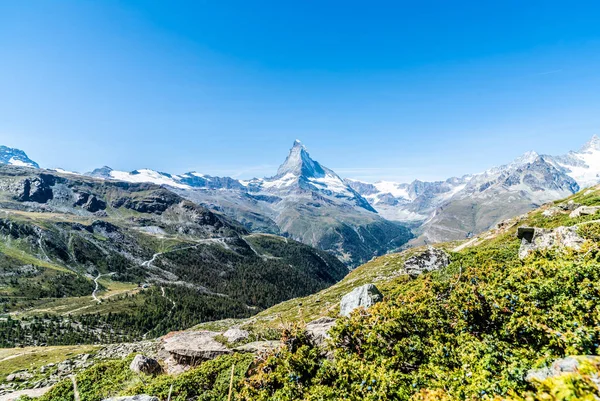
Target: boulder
259	347
584	211
143	364
569	206
428	260
318	330
141	397
192	347
551	211
533	239
561	366
19	376
364	296
234	335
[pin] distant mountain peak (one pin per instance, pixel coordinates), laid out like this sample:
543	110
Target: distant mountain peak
16	157
299	163
102	172
526	158
591	145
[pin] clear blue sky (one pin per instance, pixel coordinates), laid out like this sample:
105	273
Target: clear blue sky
389	90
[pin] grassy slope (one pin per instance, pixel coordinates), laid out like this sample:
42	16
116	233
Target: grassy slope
387	271
477	264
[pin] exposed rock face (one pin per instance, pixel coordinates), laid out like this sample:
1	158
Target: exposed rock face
318	329
89	202
584	211
258	347
20	376
234	335
569	206
141	397
533	239
431	259
191	347
364	296
143	364
561	366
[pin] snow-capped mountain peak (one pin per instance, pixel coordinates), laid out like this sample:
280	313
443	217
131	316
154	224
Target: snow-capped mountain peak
592	145
526	158
16	157
299	163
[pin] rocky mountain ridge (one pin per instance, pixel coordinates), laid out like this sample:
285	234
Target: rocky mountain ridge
311	203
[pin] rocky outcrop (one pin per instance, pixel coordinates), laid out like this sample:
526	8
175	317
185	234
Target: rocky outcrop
19	376
143	364
430	259
534	239
364	296
559	367
37	189
584	211
192	347
258	347
569	206
89	202
318	330
235	334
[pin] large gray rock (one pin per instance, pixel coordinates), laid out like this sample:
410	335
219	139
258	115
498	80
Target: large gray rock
143	364
584	211
561	366
192	347
19	376
364	296
569	206
318	329
234	335
428	260
533	239
141	397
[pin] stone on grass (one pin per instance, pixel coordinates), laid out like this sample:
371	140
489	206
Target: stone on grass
365	296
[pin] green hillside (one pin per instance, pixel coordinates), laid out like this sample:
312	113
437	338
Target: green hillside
85	260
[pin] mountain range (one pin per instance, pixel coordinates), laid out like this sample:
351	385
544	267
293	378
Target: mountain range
356	220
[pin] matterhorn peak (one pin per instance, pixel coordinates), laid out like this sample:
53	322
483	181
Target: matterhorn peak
591	145
299	163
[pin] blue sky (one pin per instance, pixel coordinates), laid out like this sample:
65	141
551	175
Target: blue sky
376	90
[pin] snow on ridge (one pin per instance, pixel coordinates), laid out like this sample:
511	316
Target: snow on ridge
147	175
16	162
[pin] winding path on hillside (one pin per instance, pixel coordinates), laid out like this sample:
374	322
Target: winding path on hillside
97	286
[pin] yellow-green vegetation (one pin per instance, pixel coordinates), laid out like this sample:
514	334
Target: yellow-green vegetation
31	358
210	381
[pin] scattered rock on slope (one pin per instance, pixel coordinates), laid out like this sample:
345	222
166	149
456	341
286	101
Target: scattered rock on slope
141	397
364	296
234	335
533	239
259	347
428	260
584	211
188	348
318	329
561	366
143	364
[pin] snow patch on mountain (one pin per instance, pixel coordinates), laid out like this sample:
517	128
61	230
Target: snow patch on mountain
147	175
